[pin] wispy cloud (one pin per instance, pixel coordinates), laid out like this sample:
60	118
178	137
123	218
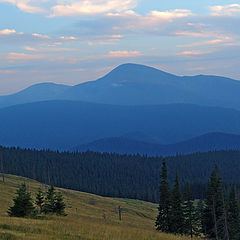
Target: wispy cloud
30	49
68	38
122	54
23	57
225	10
37	35
192	53
7	71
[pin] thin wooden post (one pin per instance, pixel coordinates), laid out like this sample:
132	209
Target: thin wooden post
120	213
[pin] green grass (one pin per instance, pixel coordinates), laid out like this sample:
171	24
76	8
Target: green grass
90	217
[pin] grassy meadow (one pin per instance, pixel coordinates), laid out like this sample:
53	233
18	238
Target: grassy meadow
89	217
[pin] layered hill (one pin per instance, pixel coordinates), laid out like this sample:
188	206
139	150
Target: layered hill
132	84
129	145
35	93
65	124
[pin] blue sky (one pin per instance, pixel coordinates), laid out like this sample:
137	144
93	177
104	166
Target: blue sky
72	41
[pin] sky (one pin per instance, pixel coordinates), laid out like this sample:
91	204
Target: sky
73	41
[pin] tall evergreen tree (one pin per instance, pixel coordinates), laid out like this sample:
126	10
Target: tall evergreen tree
59	204
40	200
189	212
176	212
23	206
163	218
214	215
234	215
49	202
199	218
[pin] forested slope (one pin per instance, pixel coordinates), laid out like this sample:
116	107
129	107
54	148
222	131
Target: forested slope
130	176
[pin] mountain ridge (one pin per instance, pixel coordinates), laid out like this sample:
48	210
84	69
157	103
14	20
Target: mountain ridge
203	143
65	124
135	84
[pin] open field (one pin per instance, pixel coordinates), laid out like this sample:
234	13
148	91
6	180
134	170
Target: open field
90	217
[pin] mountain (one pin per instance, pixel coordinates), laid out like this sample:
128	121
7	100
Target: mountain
65	124
125	145
35	93
133	84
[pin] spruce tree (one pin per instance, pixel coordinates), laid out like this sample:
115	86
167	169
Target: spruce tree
189	212
23	206
176	212
49	201
40	200
214	215
234	215
59	204
163	218
199	218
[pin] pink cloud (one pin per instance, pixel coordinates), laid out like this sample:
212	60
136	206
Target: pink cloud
30	49
91	7
23	57
7	31
41	36
7	71
120	54
192	53
226	10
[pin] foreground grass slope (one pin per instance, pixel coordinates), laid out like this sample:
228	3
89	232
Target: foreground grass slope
90	217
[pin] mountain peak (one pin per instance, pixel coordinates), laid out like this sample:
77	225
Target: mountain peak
133	67
132	72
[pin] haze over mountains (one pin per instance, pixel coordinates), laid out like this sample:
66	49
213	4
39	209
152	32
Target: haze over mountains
65	124
168	110
128	145
132	84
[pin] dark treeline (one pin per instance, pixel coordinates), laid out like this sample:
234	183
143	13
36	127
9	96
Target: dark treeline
130	176
215	217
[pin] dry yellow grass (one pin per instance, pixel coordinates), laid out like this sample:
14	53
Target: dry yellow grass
90	217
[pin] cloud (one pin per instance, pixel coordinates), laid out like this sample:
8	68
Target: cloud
121	54
23	57
71	8
7	71
169	15
192	53
68	38
226	10
30	49
7	31
41	36
26	5
91	7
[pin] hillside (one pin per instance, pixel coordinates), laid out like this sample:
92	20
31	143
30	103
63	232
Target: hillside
66	124
114	175
133	84
129	145
85	219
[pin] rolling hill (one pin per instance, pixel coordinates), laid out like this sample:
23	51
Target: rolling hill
127	145
85	219
133	84
65	124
